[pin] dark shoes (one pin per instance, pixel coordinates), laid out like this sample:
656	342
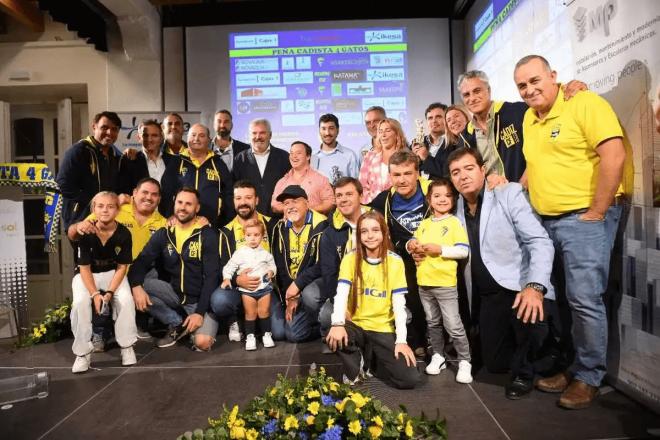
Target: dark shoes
518	388
578	395
172	336
554	384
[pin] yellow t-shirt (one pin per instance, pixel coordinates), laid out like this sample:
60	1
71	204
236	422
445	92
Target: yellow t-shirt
297	243
140	234
374	304
447	231
560	150
182	235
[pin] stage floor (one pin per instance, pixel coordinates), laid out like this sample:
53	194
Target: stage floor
173	390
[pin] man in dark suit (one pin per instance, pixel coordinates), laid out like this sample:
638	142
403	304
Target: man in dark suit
262	164
223	144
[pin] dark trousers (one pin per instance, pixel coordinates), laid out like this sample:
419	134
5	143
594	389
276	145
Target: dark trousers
367	348
506	342
417	326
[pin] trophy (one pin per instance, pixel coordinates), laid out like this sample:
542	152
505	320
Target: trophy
419	136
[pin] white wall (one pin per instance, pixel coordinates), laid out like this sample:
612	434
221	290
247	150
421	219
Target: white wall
58	57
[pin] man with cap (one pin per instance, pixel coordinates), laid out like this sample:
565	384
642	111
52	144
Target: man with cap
295	248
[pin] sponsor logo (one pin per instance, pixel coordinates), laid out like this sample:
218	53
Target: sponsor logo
348	75
589	20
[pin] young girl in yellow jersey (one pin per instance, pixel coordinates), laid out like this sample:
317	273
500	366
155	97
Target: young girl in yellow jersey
443	240
369	316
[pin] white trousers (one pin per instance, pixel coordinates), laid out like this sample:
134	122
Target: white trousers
123	313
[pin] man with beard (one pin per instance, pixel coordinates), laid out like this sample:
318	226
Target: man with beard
263	164
89	166
333	160
223	144
295	248
225	302
203	170
188	254
173	132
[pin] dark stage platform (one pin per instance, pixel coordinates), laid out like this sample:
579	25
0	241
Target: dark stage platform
173	390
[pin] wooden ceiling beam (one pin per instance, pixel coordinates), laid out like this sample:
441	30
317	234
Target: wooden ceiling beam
26	12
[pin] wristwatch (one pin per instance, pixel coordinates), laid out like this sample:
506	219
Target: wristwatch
538	287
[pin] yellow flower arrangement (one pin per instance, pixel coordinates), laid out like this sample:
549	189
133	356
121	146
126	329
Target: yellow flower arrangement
320	408
54	326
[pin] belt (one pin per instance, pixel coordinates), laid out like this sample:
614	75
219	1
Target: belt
618	201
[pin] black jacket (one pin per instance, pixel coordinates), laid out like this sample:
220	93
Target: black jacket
332	249
193	275
399	233
437	166
508	137
227	245
165	151
84	171
213	181
245	167
307	272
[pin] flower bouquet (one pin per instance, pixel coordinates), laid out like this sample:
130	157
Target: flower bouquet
317	407
55	325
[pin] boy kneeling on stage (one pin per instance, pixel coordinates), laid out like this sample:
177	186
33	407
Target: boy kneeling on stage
100	281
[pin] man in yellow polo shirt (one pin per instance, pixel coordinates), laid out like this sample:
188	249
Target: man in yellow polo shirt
142	219
575	161
140	216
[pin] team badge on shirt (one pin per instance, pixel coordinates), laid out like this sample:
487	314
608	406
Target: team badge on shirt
555	132
193	251
509	135
117	250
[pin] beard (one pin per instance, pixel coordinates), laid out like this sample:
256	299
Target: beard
185	217
245	215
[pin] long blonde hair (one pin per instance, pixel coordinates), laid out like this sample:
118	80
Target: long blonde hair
453	139
361	255
401	141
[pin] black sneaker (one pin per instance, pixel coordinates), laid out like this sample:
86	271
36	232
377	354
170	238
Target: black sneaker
173	335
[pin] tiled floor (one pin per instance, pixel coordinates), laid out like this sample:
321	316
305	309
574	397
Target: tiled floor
174	390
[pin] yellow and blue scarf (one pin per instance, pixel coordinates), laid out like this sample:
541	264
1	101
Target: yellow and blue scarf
37	176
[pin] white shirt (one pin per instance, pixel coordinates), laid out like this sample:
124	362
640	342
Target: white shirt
156	167
261	160
258	259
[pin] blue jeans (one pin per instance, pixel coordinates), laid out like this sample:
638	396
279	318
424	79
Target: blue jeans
225	303
582	250
167	308
305	323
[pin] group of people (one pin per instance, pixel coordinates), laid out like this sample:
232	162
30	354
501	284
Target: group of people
485	241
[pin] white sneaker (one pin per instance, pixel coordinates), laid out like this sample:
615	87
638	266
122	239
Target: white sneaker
267	339
128	356
234	332
436	365
81	364
250	342
464	374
